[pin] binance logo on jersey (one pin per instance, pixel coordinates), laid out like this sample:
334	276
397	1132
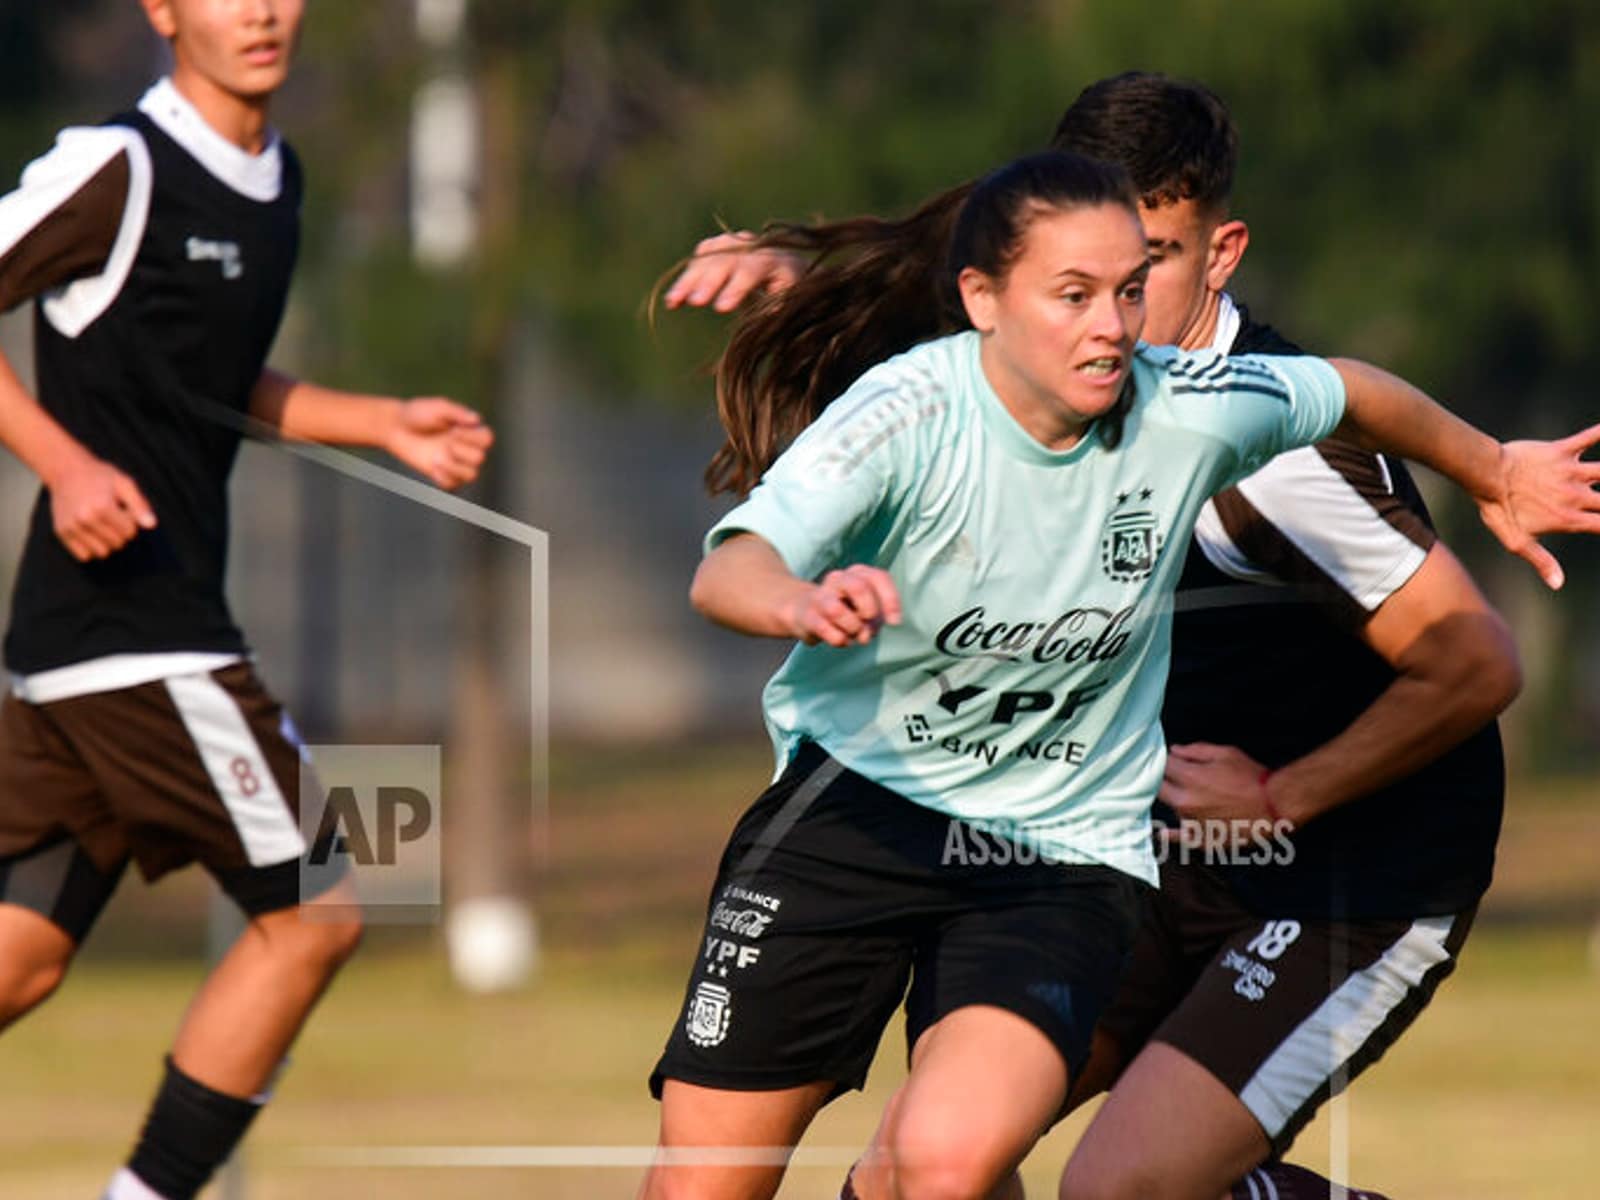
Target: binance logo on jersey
226	253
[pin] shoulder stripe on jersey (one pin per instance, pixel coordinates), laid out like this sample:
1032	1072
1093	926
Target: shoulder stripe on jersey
73	308
1199	369
872	412
858	403
1260	389
846	457
1368	474
1244	366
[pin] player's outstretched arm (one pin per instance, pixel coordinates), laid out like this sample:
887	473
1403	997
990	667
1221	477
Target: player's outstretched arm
443	440
96	508
744	585
1456	668
1522	489
726	269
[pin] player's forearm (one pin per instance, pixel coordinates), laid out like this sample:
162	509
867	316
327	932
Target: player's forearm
1386	413
308	412
745	586
32	434
1456	678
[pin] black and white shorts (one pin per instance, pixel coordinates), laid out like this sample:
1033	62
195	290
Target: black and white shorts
833	892
1284	1012
200	768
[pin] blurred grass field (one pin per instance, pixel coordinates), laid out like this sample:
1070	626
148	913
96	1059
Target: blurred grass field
1495	1095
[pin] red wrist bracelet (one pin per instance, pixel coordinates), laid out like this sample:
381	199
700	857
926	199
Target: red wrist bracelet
1266	795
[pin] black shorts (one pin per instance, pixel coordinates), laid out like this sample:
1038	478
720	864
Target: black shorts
196	768
833	892
1284	1012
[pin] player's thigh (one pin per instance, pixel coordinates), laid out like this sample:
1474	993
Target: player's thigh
728	1145
1169	1129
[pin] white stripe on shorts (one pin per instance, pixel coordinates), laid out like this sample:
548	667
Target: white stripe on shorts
1342	1024
238	770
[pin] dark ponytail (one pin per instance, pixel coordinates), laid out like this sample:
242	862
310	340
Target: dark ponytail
874	289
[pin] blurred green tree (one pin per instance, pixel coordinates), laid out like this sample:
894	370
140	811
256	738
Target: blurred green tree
1419	175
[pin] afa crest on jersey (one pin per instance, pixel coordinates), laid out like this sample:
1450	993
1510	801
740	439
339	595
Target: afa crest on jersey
1130	541
709	1013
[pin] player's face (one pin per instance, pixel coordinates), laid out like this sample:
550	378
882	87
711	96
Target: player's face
1193	251
1059	328
238	47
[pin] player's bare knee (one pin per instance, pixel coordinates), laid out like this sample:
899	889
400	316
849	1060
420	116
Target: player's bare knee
26	985
940	1169
316	942
940	1179
331	943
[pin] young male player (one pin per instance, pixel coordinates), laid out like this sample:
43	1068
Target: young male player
159	248
1321	630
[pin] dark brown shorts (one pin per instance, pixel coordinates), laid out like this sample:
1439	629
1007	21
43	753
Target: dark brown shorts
193	768
1284	1012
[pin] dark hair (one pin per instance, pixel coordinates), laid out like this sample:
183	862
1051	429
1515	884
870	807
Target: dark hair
874	289
1174	137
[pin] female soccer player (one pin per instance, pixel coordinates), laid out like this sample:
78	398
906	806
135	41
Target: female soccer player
1322	566
968	545
159	246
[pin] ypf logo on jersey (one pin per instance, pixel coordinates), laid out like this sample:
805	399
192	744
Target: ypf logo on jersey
374	811
1130	541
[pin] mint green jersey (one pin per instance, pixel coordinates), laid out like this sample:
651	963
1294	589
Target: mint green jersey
1022	690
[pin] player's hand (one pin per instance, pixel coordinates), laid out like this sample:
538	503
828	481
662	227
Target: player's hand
443	440
96	508
1213	788
845	607
1546	487
726	269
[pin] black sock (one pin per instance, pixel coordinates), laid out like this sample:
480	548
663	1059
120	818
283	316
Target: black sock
189	1133
1286	1181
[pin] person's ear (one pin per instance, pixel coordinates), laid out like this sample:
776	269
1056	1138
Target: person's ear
978	298
161	17
1228	243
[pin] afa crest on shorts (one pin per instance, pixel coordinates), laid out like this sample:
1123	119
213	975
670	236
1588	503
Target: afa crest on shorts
1130	541
710	1009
